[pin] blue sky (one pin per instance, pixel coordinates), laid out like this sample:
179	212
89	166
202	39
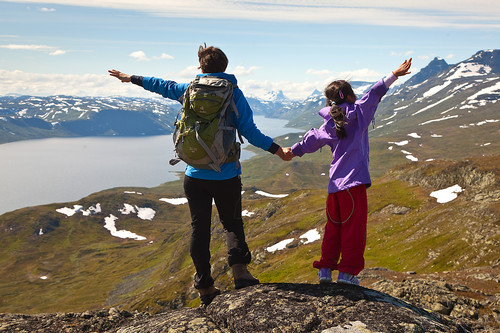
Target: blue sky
67	46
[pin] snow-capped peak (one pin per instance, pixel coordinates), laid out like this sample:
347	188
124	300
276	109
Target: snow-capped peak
275	96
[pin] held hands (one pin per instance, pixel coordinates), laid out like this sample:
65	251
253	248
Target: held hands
403	69
120	76
285	153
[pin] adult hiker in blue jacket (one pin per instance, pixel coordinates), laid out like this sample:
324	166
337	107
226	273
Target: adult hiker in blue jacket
201	186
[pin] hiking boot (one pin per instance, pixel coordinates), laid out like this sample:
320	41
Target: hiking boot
347	278
325	275
207	299
242	277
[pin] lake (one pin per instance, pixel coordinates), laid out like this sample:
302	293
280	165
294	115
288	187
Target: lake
37	172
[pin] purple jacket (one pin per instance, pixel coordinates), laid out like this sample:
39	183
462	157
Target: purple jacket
349	166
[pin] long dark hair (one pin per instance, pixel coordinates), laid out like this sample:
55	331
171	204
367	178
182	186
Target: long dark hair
336	94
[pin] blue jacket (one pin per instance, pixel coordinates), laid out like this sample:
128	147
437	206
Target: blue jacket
244	123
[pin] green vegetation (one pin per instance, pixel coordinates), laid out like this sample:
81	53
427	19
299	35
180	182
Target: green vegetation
87	268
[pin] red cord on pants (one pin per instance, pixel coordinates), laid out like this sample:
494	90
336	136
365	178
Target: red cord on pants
345	231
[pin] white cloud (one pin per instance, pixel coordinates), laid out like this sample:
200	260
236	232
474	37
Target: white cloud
319	72
19	82
164	56
242	71
34	47
29	47
300	90
139	56
185	75
402	54
57	52
449	56
293	90
47	10
445	13
38	84
363	74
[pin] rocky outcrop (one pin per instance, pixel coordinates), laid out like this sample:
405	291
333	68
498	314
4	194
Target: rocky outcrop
280	307
437	175
470	297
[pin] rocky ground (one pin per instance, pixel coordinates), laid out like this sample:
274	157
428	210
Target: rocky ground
465	301
471	297
388	301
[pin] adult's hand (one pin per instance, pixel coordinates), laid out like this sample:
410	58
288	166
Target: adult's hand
285	154
120	76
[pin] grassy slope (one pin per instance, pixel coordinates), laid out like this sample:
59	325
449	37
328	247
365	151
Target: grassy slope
87	268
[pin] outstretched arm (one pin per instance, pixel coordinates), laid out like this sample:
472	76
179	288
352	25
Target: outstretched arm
120	76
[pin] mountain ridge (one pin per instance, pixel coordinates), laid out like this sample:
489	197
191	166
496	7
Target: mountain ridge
438	95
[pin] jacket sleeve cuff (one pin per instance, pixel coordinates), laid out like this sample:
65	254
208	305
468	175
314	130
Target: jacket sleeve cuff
274	148
389	80
136	79
296	150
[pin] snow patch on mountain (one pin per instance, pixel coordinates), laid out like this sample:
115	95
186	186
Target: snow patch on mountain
175	201
491	90
306	238
436	89
467	70
110	224
432	105
265	194
480	123
439	119
446	195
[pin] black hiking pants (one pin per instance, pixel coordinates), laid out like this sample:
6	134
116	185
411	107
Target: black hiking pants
227	197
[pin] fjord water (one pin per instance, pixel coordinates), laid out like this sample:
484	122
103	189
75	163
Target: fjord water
37	172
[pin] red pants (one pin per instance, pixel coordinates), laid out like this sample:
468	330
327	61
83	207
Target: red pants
345	231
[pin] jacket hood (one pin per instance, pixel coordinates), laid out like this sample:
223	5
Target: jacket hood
350	113
229	77
325	113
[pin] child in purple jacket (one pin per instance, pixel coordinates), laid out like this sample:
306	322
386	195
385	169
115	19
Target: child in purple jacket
345	130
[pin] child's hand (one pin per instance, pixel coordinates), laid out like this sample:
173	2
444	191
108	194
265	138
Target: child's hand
285	154
403	68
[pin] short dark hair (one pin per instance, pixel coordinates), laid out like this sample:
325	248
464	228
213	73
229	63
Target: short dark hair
212	59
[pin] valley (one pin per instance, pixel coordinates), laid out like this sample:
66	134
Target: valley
60	251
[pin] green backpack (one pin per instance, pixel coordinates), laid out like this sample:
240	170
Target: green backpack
204	137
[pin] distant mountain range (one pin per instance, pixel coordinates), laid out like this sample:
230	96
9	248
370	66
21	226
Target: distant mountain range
440	95
445	110
30	117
